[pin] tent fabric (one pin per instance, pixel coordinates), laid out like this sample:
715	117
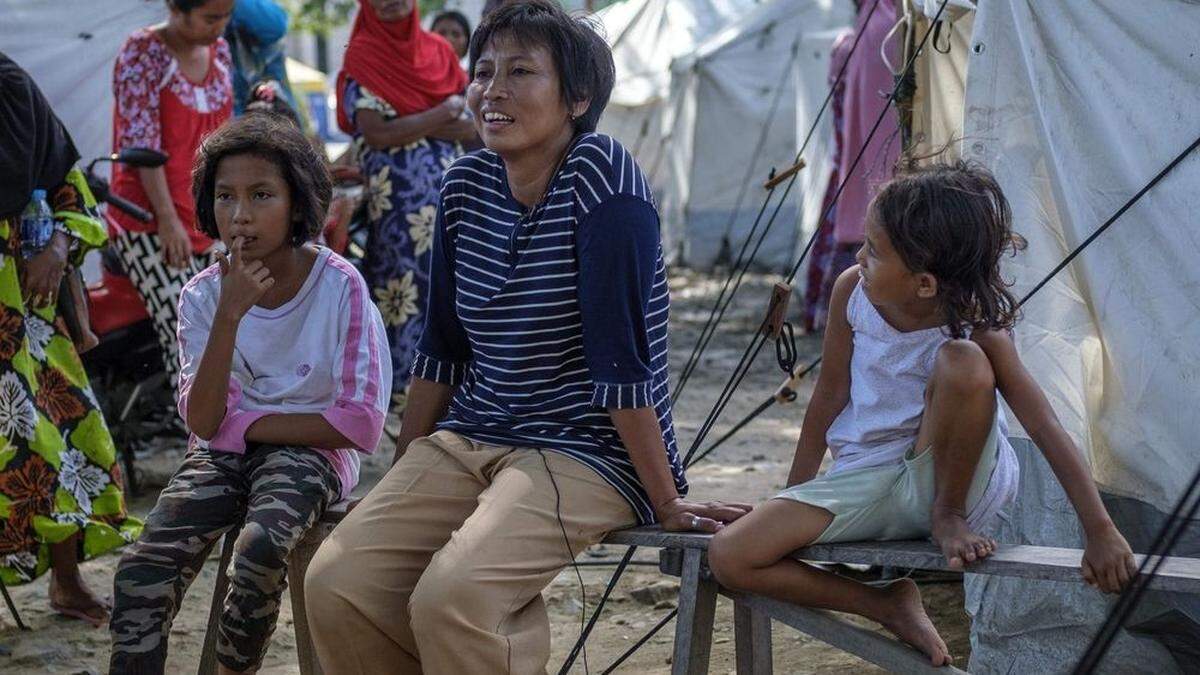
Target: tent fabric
1075	108
645	37
69	47
766	71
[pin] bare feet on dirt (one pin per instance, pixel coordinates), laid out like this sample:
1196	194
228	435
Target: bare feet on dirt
71	596
905	616
959	544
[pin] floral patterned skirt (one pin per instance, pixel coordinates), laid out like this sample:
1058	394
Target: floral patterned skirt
402	189
59	473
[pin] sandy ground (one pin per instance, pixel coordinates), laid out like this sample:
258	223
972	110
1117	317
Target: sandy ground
750	466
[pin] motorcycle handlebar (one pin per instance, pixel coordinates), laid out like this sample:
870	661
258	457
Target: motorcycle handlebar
129	207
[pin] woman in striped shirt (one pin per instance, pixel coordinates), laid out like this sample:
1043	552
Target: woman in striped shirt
539	417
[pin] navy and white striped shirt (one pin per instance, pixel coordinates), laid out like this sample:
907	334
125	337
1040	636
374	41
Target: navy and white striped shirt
548	318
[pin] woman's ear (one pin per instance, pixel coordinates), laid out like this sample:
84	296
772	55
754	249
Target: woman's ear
580	108
927	286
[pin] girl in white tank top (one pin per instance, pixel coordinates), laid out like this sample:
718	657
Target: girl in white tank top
918	351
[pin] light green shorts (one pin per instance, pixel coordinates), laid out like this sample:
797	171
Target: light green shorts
890	502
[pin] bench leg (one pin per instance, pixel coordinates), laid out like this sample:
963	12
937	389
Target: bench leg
208	655
752	639
694	625
297	567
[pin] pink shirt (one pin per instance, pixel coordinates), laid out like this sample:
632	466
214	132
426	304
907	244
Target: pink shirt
324	351
868	83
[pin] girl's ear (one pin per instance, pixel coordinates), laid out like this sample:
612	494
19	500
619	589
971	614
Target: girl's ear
927	286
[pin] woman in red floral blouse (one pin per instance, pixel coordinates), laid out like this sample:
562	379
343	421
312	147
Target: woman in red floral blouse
172	88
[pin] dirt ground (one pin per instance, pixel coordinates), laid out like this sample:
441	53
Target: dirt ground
751	466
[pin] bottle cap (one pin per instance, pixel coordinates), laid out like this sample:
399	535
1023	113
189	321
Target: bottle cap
39	194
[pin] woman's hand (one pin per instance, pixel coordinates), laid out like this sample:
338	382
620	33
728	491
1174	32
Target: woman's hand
453	107
681	515
42	274
1107	560
176	247
242	283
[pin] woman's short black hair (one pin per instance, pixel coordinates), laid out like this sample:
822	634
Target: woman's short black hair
276	140
952	220
458	18
583	59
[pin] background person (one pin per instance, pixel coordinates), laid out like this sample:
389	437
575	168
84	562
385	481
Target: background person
60	481
455	28
172	87
540	416
398	97
255	36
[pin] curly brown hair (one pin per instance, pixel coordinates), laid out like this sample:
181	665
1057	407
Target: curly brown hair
276	140
952	220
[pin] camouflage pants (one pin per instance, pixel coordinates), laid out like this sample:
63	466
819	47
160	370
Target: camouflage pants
276	493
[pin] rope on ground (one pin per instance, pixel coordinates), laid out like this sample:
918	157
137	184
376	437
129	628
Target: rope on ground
742	265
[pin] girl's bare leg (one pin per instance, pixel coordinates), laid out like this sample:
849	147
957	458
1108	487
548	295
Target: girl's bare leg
750	555
960	407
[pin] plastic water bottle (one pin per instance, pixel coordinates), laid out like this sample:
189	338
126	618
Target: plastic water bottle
37	225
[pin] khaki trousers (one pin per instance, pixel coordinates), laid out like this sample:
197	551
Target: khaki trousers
440	568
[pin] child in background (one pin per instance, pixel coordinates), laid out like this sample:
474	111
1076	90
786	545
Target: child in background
917	345
284	381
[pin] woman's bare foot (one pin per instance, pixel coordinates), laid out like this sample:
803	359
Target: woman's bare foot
904	615
959	544
70	596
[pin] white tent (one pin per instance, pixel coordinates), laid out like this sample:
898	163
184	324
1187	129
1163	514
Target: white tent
645	36
737	104
1075	108
69	47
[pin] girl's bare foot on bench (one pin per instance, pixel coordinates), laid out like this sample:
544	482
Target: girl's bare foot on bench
905	616
959	544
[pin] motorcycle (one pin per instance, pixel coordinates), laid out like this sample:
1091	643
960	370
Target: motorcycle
126	366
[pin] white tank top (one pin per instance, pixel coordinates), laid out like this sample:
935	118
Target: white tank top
888	373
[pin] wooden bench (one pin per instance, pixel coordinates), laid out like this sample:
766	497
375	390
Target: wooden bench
684	555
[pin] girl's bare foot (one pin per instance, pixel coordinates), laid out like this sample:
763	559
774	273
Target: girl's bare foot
904	615
70	596
959	544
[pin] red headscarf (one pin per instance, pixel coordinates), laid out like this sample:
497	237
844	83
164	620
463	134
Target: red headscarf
410	68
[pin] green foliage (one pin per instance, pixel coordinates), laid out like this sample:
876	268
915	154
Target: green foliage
320	16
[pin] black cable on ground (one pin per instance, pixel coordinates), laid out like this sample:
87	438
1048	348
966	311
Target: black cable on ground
643	640
583	635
